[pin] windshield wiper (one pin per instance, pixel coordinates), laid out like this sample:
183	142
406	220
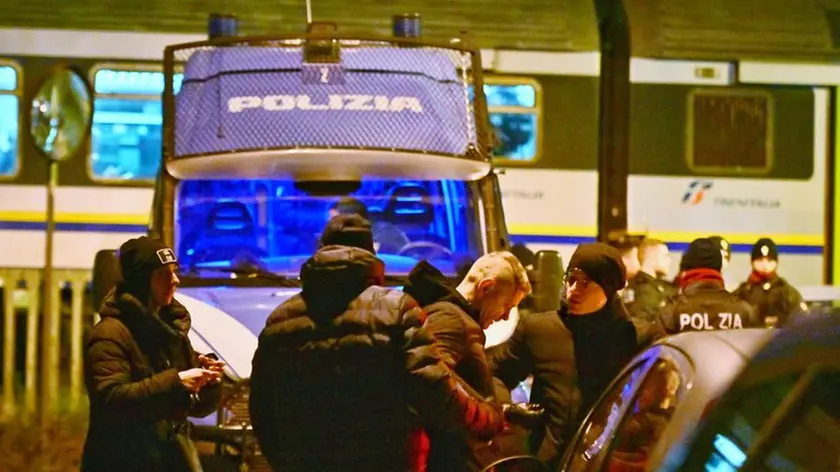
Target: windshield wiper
396	279
251	274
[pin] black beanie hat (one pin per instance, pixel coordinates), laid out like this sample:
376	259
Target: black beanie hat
139	257
765	247
702	253
348	230
724	246
601	263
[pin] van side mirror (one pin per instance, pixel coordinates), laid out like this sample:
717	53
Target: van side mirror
106	274
548	280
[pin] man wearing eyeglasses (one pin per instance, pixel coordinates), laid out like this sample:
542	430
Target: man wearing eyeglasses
573	353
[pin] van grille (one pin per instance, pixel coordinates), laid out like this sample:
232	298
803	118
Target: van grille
234	414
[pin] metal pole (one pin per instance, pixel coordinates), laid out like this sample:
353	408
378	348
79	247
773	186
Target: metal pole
33	321
76	353
308	11
9	344
614	126
52	321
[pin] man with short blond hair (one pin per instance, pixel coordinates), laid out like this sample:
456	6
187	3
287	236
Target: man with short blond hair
499	267
457	317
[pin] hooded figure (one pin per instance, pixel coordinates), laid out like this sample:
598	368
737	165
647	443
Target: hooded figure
775	300
143	377
703	302
345	377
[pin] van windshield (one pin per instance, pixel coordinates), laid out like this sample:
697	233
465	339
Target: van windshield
275	225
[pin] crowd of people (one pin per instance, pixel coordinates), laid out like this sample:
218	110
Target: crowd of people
764	299
353	375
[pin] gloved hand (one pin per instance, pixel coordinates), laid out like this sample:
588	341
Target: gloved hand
526	415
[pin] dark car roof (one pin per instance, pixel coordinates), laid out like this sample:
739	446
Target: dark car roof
745	342
815	338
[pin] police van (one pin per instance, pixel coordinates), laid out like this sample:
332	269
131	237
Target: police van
265	137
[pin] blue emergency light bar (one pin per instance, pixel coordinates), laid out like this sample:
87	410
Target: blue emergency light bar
222	25
406	25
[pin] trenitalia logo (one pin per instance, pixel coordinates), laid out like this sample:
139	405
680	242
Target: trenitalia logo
333	102
696	191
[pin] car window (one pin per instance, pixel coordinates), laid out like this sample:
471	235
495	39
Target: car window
653	407
601	424
807	439
736	428
812	443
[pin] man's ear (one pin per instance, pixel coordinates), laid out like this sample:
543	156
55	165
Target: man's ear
484	286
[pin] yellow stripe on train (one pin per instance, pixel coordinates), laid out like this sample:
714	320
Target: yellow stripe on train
670	236
62	217
518	229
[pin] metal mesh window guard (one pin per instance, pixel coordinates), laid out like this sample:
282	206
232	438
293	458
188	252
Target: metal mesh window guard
267	96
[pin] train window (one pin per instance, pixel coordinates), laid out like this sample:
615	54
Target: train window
127	124
9	90
730	131
515	111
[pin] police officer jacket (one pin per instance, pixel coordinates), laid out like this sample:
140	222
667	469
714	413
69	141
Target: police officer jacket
772	298
645	296
706	305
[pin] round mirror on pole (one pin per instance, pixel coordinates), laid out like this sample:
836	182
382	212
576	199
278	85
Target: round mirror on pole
61	119
62	111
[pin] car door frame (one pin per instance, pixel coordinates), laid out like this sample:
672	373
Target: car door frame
647	359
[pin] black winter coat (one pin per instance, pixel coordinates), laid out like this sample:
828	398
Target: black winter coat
460	340
773	298
645	296
132	360
542	346
572	358
345	377
605	341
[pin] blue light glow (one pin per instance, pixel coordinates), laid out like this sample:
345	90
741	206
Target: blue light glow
8	135
513	116
132	82
126	139
278	224
499	95
8	79
127	124
728	456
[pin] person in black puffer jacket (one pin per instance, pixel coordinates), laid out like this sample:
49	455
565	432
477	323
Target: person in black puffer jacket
345	378
143	377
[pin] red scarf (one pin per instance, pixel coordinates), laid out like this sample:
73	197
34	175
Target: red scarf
757	278
700	275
